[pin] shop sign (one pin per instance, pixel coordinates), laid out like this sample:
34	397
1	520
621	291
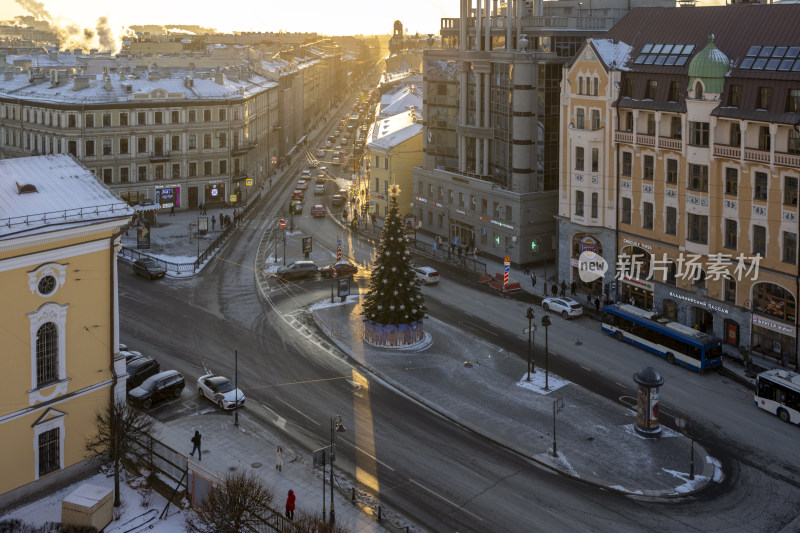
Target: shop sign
588	244
646	285
639	244
695	301
498	223
421	199
766	323
461	212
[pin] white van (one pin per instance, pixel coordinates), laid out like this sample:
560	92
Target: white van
319	188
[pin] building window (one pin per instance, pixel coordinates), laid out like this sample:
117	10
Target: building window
698	178
790	191
207	170
108	176
192	116
89	148
698	133
697	228
625	216
142	173
49	452
731	181
123	146
629	121
124	175
627	163
730	289
595	119
222	115
175	117
594	204
223	166
596	86
72	148
731	234
192	170
672	171
159	172
46	355
628	87
675	128
90	120
159	117
760	190
649	167
579	158
106	120
650	90
651	123
223	140
176	143
580	119
789	247
207	141
759	240
192	142
509	212
595	159
579	203
736	134
141	145
672	221
774	300
674	91
735	96
764	141
206	115
176	171
698	90
764	97
141	118
793	146
647	215
580	84
106	146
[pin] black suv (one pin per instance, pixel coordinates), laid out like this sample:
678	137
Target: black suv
140	369
163	386
148	268
298	269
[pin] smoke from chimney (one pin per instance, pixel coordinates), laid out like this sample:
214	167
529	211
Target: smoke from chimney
71	35
105	35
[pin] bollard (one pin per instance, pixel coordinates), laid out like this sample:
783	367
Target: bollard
379	514
352	495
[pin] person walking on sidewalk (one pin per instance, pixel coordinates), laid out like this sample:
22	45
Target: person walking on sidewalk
290	505
196	441
563	288
279	459
572	288
533	280
213	222
172	211
597	304
554	289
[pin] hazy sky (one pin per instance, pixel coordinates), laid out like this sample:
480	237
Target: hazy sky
345	17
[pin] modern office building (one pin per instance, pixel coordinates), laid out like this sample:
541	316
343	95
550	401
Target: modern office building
681	153
490	170
59	232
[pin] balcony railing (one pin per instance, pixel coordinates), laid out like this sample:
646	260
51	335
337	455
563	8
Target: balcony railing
452	25
645	140
156	157
760	156
732	152
787	160
670	143
240	149
623	137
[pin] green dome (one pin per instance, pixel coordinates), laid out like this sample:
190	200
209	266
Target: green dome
710	65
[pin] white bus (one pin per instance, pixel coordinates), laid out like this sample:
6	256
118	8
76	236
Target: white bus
778	391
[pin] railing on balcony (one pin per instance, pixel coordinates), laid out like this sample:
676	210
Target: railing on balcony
760	156
670	143
732	152
452	25
623	137
240	149
787	160
645	140
159	156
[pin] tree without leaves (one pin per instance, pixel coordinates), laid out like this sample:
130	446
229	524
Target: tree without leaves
119	428
394	294
240	500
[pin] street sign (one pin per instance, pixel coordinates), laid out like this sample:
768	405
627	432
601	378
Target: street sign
506	268
283	223
338	242
339	254
306	245
528	330
372	209
233	198
249	182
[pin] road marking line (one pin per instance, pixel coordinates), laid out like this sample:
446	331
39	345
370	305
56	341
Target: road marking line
480	328
587	369
293	408
376	459
446	500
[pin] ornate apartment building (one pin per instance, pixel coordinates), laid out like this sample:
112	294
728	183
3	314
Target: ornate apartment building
59	230
681	160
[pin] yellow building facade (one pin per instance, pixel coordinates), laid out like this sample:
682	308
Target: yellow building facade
697	172
58	237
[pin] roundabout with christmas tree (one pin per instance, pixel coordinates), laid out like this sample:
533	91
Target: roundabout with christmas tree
394	307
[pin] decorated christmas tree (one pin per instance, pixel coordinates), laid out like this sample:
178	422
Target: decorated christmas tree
394	295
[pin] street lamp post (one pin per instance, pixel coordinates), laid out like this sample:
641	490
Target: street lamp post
336	426
530	316
686	425
546	323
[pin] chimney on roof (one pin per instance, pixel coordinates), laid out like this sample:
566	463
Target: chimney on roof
107	82
80	82
8	75
219	77
188	82
53	56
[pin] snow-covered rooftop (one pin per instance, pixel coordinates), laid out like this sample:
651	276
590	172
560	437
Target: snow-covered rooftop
389	132
613	54
42	193
403	100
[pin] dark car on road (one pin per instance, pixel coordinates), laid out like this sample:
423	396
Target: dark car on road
298	269
161	387
341	269
140	369
337	200
148	268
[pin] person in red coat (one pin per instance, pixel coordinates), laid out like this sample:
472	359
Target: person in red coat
290	505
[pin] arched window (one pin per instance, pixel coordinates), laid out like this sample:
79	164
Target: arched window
698	90
670	310
773	300
636	262
46	354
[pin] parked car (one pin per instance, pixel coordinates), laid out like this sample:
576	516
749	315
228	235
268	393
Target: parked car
220	390
163	386
337	200
318	211
130	355
140	369
319	189
298	269
341	269
305	174
148	268
566	306
427	275
301	184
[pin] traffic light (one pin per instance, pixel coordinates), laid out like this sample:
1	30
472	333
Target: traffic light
533	245
546	320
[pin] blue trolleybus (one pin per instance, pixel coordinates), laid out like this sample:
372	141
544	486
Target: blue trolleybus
675	342
778	391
